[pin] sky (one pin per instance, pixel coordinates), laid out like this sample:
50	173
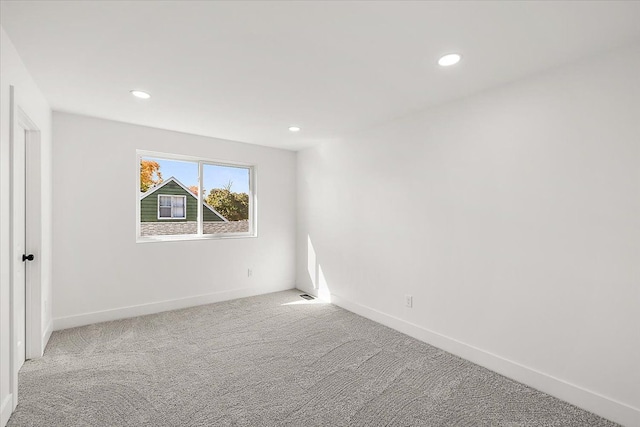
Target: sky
214	176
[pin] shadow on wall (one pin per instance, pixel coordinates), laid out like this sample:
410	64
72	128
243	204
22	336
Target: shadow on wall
316	275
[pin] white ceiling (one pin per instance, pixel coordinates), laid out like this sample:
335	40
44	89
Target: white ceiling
246	71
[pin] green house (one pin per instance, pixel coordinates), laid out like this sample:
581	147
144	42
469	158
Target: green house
171	201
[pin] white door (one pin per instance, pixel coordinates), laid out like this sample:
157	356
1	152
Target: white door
19	238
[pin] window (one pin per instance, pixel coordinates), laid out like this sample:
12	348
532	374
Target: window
172	207
180	197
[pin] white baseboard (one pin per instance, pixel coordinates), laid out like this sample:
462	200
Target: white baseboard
48	330
6	409
157	307
576	395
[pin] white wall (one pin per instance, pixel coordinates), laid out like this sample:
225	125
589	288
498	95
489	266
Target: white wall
101	273
31	100
512	217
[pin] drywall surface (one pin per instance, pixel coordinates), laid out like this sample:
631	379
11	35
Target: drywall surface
100	272
513	219
29	98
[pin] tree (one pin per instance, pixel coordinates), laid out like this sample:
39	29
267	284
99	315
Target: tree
194	189
233	206
150	175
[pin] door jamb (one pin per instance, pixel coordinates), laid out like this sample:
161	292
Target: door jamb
33	292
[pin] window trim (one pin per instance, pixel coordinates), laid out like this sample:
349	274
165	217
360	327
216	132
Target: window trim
172	197
200	161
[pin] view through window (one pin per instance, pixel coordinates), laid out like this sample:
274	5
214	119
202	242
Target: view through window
192	197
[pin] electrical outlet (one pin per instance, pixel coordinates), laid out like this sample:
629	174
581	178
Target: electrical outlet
408	301
249	273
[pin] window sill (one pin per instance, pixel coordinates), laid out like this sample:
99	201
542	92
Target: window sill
187	237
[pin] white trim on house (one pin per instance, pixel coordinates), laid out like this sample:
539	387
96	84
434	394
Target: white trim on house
162	184
172	196
154	189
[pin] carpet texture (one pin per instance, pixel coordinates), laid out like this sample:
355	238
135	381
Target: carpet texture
271	360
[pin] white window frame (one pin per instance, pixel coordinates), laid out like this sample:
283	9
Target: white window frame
172	216
253	202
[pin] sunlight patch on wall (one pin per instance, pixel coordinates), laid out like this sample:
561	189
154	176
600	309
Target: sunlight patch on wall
323	288
311	262
318	280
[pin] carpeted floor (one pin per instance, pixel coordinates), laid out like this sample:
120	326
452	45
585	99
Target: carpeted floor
271	360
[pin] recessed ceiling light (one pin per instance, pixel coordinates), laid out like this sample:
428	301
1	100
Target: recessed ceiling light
449	59
294	128
140	94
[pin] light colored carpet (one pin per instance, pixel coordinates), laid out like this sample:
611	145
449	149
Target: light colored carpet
270	360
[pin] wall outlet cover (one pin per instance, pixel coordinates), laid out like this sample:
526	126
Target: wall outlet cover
408	301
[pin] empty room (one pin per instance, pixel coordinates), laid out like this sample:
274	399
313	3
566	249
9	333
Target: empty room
319	213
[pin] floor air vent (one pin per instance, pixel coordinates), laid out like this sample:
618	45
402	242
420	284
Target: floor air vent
306	296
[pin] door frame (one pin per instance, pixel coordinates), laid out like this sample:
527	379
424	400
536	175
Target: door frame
32	187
